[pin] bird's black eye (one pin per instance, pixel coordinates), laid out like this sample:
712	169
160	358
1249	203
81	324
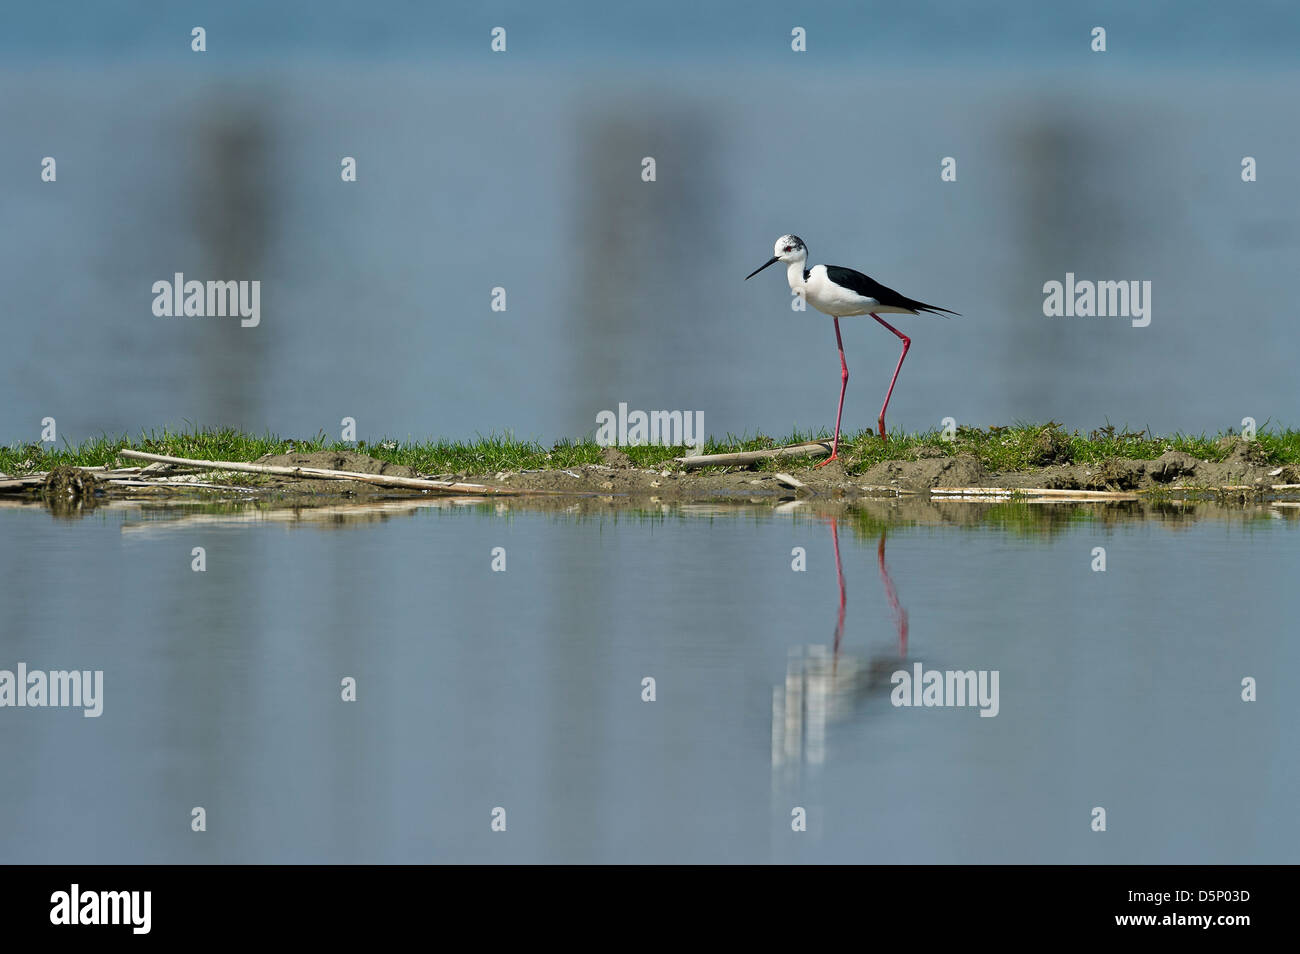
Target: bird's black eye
788	248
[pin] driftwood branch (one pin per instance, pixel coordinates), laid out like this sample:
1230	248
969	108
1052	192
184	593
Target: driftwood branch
321	473
17	483
740	458
35	480
1033	492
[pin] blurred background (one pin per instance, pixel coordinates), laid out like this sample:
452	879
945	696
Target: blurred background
522	170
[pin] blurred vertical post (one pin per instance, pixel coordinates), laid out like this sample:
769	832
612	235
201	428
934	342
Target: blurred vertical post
231	215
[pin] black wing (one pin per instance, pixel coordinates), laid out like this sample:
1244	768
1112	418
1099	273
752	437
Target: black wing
870	288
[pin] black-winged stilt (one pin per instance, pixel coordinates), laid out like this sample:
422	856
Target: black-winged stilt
840	293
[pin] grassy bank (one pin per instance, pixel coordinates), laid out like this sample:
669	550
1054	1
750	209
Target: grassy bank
1015	448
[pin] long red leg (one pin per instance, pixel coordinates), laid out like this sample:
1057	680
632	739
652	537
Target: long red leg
844	383
907	343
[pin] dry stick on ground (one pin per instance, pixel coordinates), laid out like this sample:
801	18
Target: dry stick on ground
382	480
1033	491
811	449
181	487
17	483
35	480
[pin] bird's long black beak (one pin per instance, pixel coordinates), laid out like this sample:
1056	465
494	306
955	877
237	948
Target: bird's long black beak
761	267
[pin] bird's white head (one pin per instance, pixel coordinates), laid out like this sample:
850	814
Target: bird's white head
789	249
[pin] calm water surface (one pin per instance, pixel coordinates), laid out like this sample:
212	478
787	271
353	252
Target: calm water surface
522	689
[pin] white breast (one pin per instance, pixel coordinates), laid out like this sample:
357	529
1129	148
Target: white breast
826	296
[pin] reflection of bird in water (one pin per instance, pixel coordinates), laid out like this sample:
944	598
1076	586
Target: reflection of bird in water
900	614
824	686
839	574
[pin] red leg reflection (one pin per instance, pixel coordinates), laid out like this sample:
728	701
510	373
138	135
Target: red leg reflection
900	614
839	573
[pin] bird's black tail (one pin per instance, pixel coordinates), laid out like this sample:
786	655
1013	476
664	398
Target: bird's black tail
931	309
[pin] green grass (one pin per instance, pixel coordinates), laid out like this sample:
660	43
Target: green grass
1024	446
1014	448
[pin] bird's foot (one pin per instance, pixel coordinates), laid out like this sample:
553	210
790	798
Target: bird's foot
834	456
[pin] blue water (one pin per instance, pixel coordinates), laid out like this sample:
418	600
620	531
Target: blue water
522	689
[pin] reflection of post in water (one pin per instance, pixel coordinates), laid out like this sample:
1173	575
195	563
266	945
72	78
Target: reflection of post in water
824	686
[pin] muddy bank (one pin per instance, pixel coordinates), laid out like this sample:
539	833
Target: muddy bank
1173	471
332	460
1245	469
